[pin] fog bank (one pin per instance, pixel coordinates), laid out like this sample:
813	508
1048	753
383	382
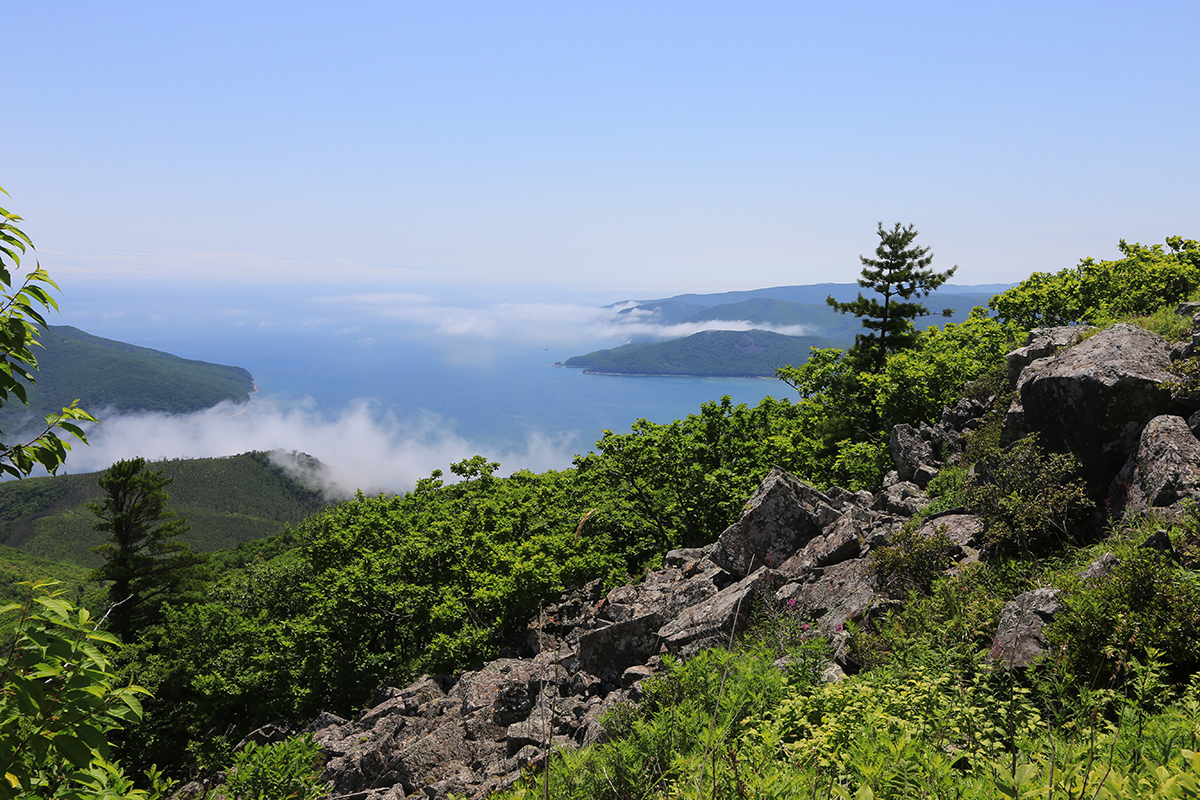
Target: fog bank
359	446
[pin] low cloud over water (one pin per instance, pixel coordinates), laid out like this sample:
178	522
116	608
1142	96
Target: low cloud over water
360	446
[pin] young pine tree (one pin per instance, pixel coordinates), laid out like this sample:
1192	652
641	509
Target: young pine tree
144	562
899	272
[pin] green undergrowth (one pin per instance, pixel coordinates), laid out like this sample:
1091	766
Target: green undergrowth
730	725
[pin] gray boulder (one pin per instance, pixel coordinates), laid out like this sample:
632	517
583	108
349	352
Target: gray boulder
608	652
1094	399
1041	343
962	414
1164	469
666	592
1160	540
711	623
910	452
834	595
1101	567
784	514
964	530
1020	636
903	499
841	541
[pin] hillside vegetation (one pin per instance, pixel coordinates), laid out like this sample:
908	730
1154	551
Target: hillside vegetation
226	501
108	375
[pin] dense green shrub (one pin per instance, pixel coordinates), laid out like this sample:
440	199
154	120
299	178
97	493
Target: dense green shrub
927	731
1030	501
951	627
289	769
912	561
1100	292
1145	602
845	416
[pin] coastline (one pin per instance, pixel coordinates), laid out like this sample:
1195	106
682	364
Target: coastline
587	371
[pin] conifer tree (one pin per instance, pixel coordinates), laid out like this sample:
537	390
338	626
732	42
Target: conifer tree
899	272
145	563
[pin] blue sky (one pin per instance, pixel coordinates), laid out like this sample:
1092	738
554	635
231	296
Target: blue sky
589	151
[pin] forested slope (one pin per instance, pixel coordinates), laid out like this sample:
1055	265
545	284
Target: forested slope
106	374
226	501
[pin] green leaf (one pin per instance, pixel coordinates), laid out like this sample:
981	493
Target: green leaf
129	698
74	750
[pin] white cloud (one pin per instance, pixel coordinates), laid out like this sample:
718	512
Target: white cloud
360	446
540	323
650	330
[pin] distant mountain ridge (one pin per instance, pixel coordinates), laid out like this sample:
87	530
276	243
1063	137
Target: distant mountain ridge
816	293
790	306
106	374
799	313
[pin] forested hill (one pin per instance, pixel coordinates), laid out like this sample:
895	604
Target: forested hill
708	353
226	501
732	353
815	294
799	305
106	374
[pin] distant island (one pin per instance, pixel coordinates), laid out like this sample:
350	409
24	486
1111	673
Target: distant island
104	374
725	354
786	322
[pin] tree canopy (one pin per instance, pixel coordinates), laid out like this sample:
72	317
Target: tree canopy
1144	279
899	272
145	563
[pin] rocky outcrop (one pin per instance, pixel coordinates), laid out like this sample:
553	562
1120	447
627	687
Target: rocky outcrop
782	516
1094	399
713	622
1041	343
791	547
920	451
475	732
902	498
1162	471
964	530
911	453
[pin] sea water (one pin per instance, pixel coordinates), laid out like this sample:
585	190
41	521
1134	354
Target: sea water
494	394
430	399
